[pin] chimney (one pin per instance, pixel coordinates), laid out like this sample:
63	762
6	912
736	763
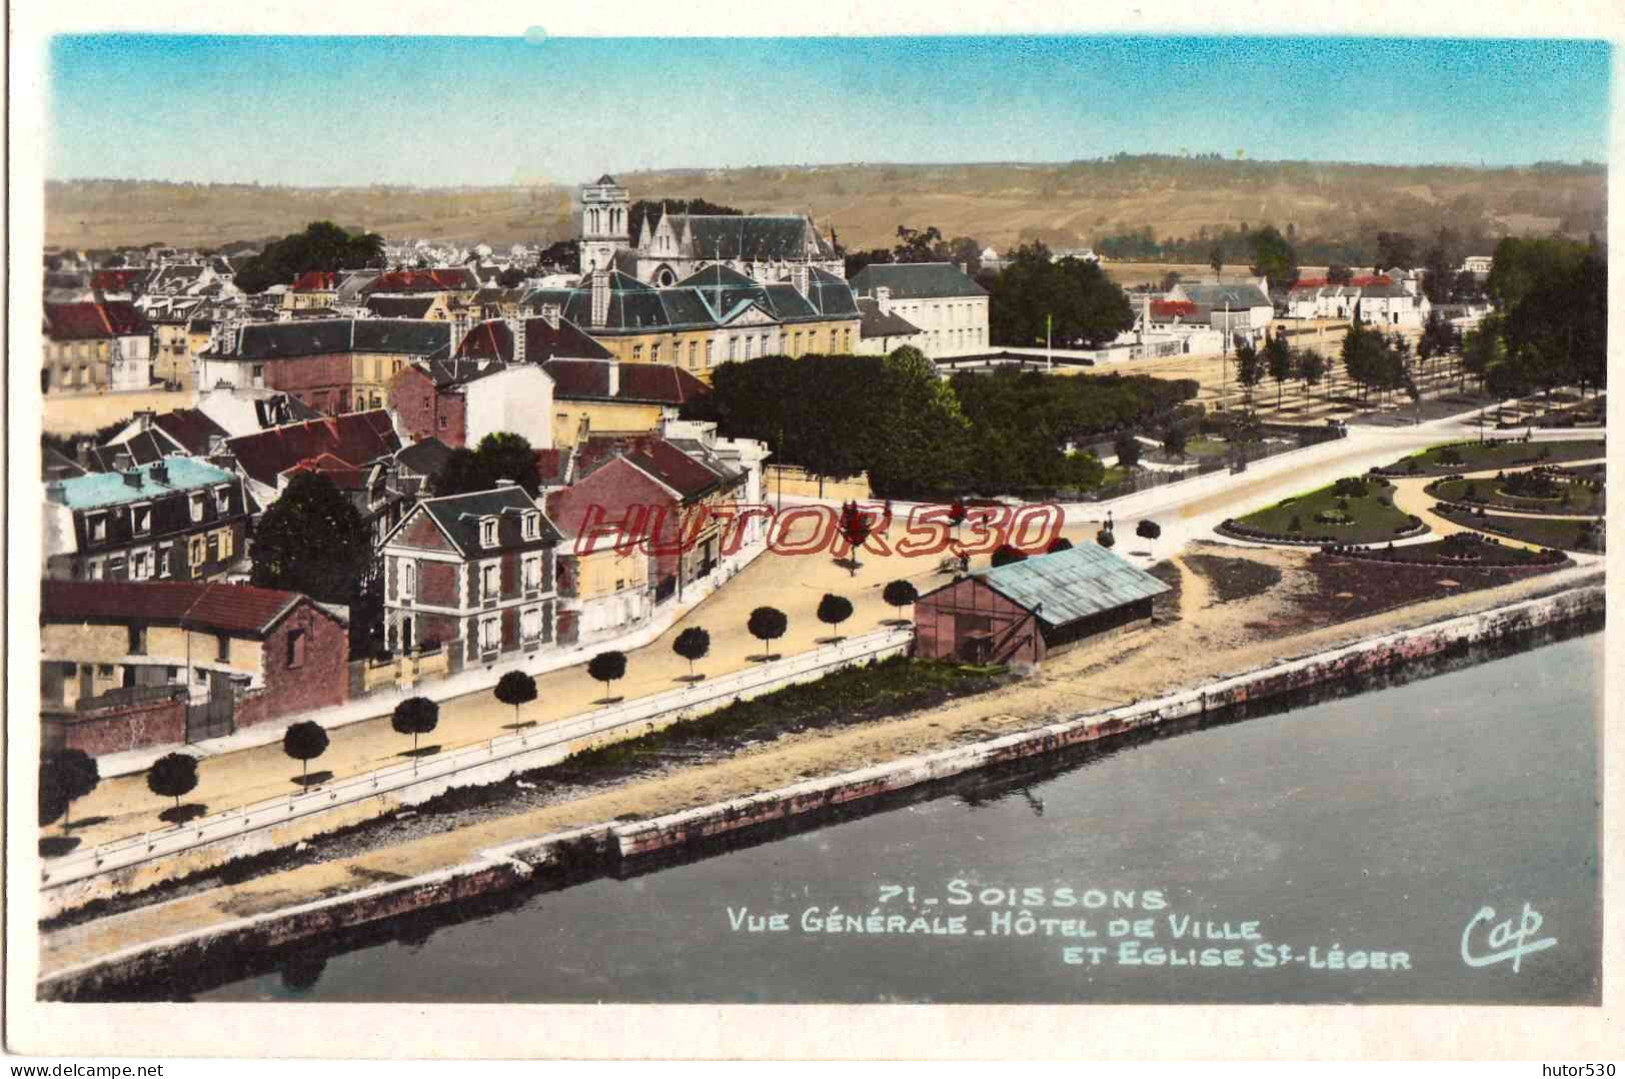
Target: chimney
614	378
882	295
600	297
459	330
160	472
132	478
506	483
516	328
144	418
56	492
799	277
551	313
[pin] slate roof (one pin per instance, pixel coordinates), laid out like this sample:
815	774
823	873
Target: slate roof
57	466
877	323
190	428
761	237
280	340
414	307
915	280
1072	584
657	383
493	340
142	448
94	321
459	517
356	438
425	458
1239	297
96	489
235	609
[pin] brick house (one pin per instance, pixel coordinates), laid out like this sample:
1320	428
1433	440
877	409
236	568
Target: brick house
176	519
473	572
127	664
461	401
95	346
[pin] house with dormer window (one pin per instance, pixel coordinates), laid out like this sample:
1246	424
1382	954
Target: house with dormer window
473	573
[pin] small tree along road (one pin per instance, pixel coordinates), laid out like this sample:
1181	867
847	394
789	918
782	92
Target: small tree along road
692	644
608	668
899	594
767	624
64	776
1005	554
515	688
304	742
415	716
833	610
173	775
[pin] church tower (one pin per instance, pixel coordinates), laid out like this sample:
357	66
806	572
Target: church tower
605	223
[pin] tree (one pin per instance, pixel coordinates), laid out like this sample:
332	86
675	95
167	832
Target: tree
1338	275
1058	544
608	668
1127	448
855	527
507	456
1105	538
1215	259
1148	529
1273	257
323	246
767	624
65	776
899	594
1439	338
173	775
312	540
415	716
512	277
833	610
1363	357
1004	555
1310	366
1174	439
1249	367
692	644
1395	250
1079	304
515	688
304	742
1278	359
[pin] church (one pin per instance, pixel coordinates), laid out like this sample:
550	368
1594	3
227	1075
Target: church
671	247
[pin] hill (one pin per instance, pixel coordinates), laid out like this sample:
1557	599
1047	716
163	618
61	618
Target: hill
1001	204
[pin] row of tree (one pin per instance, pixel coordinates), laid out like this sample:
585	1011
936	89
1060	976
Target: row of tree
1551	324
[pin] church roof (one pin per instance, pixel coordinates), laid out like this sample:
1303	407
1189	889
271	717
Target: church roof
751	236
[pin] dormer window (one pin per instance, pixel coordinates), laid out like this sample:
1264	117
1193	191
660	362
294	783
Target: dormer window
533	525
141	518
488	532
197	506
98	527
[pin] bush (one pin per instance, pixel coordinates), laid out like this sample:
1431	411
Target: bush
1351	487
304	742
1295	525
172	776
1105	538
1450	456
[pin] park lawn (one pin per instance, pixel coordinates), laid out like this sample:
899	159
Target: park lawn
1559	534
1482	456
1371	520
1582	499
1206	447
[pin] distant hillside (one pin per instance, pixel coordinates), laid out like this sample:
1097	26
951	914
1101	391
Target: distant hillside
999	204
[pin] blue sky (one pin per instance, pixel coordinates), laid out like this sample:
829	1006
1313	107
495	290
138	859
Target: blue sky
443	111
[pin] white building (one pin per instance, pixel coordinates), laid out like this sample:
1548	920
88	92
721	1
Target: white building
1478	264
948	308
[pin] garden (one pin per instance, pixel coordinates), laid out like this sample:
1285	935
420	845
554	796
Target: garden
1565	535
1540	490
1355	509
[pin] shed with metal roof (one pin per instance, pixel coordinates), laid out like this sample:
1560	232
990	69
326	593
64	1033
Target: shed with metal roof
1017	612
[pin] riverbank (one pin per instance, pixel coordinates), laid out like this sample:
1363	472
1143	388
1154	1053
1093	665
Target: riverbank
278	909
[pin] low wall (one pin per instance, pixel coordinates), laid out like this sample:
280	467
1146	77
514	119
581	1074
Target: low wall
504	867
117	729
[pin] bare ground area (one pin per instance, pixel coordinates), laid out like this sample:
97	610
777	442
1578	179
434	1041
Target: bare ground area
1207	640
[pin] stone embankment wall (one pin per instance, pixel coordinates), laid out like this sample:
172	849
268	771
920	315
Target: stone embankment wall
504	867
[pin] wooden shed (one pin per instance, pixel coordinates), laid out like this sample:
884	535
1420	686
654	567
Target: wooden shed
1016	613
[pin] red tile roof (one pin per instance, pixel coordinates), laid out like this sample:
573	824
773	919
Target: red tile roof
355	438
237	609
657	382
343	475
85	321
1172	308
1308	282
1370	280
440	280
654	455
316	281
191	428
116	280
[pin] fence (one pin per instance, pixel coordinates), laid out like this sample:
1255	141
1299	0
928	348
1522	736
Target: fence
514	748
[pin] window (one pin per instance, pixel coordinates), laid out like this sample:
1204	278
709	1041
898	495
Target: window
637	353
296	648
654	352
96	570
222	647
259	374
166	551
98	526
532	525
490	581
197	506
443	423
409	578
488	532
490	634
138	640
172	674
795	347
197	551
733	349
710	353
141	518
693	349
140	565
533	573
530	624
222	499
104	670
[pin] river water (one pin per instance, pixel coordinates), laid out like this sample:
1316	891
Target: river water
1379	824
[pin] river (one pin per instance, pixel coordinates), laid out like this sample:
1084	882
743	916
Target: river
1380	824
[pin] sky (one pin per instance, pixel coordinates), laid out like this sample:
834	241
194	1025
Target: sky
311	111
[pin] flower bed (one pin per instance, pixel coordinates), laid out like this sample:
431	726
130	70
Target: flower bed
1457	457
1540	490
1462	550
1355	509
1566	535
